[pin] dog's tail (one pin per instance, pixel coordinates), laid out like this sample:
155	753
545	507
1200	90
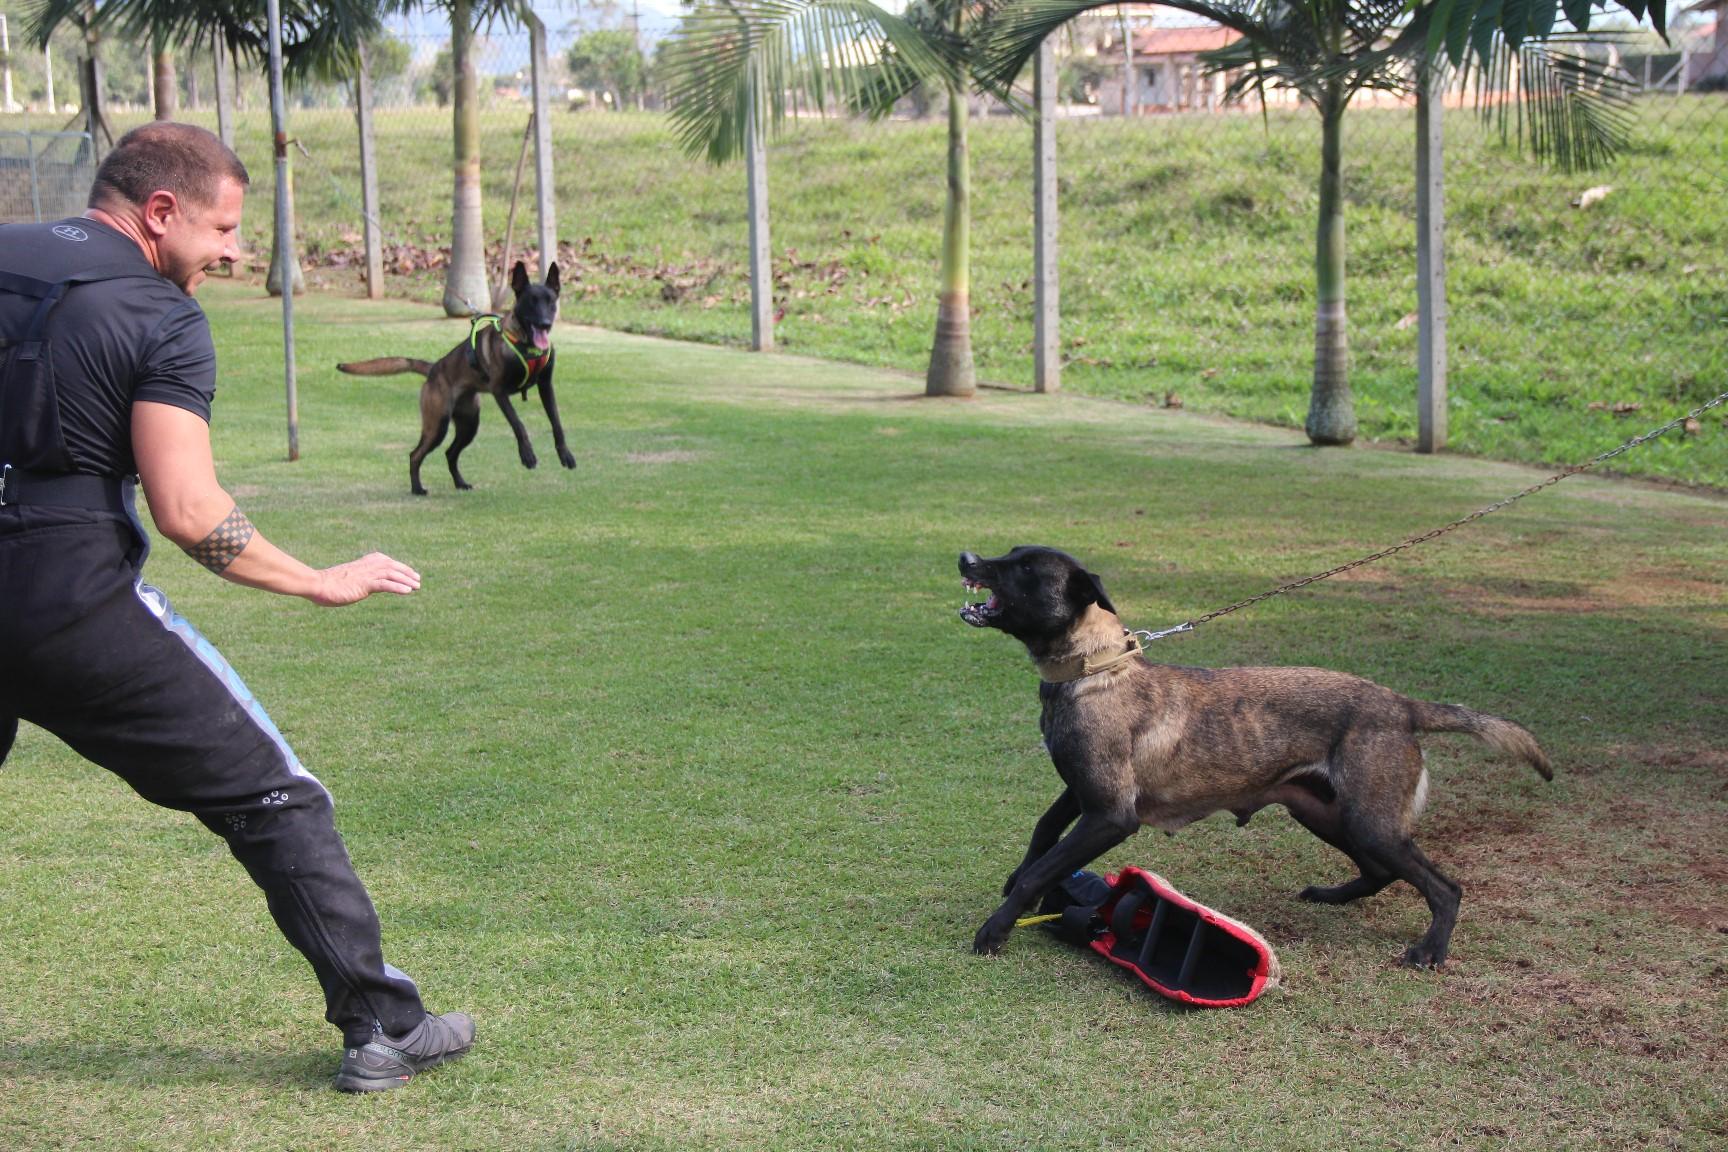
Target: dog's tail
1502	735
386	366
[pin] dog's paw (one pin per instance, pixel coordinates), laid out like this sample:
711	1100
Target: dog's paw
566	458
991	937
1422	957
530	461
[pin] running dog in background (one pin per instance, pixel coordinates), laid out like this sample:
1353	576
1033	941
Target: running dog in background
500	356
1143	743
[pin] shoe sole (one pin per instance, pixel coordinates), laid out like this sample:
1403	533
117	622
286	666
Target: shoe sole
347	1082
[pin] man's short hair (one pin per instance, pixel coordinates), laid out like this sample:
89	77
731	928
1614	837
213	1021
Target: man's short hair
163	156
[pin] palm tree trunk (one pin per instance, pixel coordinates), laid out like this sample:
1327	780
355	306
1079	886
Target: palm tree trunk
273	278
1331	411
465	291
951	371
93	90
225	82
164	84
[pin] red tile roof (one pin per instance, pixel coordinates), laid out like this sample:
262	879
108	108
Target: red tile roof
1181	41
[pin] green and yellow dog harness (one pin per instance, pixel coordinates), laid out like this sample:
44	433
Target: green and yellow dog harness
533	360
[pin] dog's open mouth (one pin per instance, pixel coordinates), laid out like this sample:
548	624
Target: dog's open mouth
980	615
542	337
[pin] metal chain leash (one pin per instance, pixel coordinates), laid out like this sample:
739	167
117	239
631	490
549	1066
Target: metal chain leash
1145	637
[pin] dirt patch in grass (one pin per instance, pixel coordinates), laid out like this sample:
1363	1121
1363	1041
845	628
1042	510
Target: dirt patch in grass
1374	586
1682	874
1501	597
1646	588
1653	588
667	456
1710	761
1656	1014
1647	884
1640	851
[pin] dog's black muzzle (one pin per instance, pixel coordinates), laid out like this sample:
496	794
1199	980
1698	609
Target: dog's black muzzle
972	573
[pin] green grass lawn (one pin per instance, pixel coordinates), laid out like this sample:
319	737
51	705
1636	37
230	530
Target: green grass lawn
1186	259
681	773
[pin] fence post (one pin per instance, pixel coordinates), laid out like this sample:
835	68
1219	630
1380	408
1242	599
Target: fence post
224	94
284	226
545	195
1430	263
1046	290
1130	90
90	87
369	179
6	57
761	261
35	184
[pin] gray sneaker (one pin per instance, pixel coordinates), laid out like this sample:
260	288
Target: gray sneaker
386	1062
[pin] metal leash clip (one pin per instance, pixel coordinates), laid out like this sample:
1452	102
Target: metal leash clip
1145	637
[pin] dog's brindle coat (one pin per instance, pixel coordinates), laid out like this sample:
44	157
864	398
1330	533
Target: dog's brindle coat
455	383
1142	743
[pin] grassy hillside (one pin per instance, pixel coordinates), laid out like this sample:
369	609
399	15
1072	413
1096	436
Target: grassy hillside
1186	258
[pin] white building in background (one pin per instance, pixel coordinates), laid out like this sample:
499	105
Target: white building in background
1168	75
1709	60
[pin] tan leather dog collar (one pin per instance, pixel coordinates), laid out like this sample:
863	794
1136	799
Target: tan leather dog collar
1079	667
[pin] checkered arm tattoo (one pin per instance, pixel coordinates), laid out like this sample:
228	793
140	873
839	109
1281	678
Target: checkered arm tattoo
226	541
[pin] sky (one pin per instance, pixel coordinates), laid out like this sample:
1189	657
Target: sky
658	17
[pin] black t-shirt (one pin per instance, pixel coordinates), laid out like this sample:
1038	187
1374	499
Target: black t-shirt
114	341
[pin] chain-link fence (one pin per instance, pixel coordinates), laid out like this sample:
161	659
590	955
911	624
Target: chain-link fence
44	175
1187	231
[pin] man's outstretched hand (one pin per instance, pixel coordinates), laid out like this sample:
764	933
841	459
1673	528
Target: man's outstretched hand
352	582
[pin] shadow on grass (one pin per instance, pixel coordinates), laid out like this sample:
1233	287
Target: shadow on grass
160	1064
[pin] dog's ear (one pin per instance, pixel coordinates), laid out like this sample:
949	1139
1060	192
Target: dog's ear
519	278
1085	588
552	278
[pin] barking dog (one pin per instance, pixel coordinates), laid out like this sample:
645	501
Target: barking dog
499	357
1141	743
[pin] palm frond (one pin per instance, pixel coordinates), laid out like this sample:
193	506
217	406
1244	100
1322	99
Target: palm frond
1454	26
1318	37
1013	31
733	59
1572	109
42	17
313	31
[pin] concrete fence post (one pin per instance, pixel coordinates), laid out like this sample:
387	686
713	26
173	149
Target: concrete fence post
1430	264
761	258
1046	291
545	193
369	180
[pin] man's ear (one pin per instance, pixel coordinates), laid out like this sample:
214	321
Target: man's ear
1085	588
158	207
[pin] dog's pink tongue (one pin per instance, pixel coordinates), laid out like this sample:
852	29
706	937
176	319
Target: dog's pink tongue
542	339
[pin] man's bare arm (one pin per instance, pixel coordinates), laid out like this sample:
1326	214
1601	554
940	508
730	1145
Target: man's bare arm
189	507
